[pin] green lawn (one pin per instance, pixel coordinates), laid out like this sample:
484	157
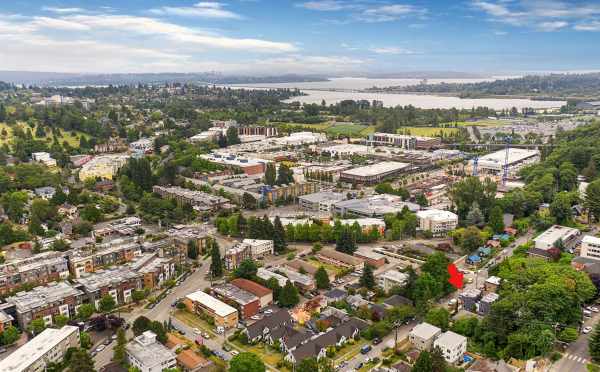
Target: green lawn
426	131
319	126
352	130
349	351
328	267
266	353
72	138
194	321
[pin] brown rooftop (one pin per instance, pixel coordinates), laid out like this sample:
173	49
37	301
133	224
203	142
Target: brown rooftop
252	287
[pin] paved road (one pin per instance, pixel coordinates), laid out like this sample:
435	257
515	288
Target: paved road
576	356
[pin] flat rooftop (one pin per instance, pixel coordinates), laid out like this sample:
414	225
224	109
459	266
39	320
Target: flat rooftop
322	196
376	169
22	358
515	155
437	215
450	339
237	294
105	278
43	295
217	306
425	331
554	233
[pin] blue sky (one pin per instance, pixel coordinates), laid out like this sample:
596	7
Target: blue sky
311	36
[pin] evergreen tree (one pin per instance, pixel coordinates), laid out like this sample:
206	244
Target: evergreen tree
246	269
267	228
81	361
285	175
438	363
270	174
279	236
367	279
496	221
288	296
345	242
590	171
592	199
2	113
249	201
423	363
594	343
119	350
475	216
322	278
232	136
192	249
216	266
242	225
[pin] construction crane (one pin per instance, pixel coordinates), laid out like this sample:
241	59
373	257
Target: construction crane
505	166
475	162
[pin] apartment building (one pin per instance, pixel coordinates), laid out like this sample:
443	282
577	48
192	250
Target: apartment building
46	302
406	142
590	247
236	254
259	248
439	222
202	303
283	192
264	294
245	302
44	158
321	201
48	347
117	252
157	271
452	345
340	259
255	130
201	201
391	279
117	282
423	335
104	166
39	269
148	355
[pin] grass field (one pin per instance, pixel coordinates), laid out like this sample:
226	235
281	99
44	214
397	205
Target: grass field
72	140
479	123
320	126
352	130
426	131
266	353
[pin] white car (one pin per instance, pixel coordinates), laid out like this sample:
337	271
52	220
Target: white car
100	348
587	329
595	309
196	331
234	352
206	335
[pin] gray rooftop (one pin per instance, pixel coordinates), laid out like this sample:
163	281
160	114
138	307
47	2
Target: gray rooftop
235	293
104	278
43	295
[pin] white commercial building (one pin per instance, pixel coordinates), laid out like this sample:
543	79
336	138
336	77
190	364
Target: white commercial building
374	173
49	346
437	221
44	158
146	354
320	201
265	274
392	278
301	138
423	335
517	158
452	345
590	247
548	238
349	149
259	248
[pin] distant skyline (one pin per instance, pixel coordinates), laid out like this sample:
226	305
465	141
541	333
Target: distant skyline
326	37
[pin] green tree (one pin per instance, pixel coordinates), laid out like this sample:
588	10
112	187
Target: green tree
279	236
423	363
249	201
471	190
270	174
85	311
216	265
288	296
560	207
367	279
107	303
119	349
308	365
91	213
85	340
37	326
232	136
439	317
594	343
10	335
322	278
471	239
60	320
246	362
475	217
81	361
592	199
568	334
496	221
345	242
140	325
192	249
567	176
138	295
247	269
284	175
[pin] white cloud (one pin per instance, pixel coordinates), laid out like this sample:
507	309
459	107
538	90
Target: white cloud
386	13
202	9
58	24
325	5
364	11
62	10
542	15
588	26
391	50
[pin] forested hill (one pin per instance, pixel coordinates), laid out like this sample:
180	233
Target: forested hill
553	85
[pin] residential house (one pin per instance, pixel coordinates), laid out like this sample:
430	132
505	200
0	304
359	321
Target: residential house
148	355
452	345
423	335
262	328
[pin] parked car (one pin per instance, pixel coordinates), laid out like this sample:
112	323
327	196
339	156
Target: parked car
376	341
365	349
2	350
100	348
226	348
196	331
595	309
234	352
587	313
587	329
206	335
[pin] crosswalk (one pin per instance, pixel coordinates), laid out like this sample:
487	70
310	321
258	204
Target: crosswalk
576	358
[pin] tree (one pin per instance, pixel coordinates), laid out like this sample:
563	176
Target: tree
119	350
367	279
91	213
284	175
439	317
471	190
560	207
140	325
216	265
10	335
496	220
592	199
594	343
246	362
423	363
85	311
249	201
37	326
192	249
568	335
471	239
308	365
421	199
85	340
475	217
322	278
590	171
138	295
107	303
567	176
346	242
279	236
270	174
288	296
247	269
232	136
60	320
81	361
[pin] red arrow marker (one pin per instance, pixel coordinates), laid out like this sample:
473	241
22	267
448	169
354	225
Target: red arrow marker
456	277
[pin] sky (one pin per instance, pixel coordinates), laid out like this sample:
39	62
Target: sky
325	37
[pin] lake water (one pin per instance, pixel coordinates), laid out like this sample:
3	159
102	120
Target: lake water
318	91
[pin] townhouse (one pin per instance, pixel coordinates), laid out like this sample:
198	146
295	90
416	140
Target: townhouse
39	269
118	282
